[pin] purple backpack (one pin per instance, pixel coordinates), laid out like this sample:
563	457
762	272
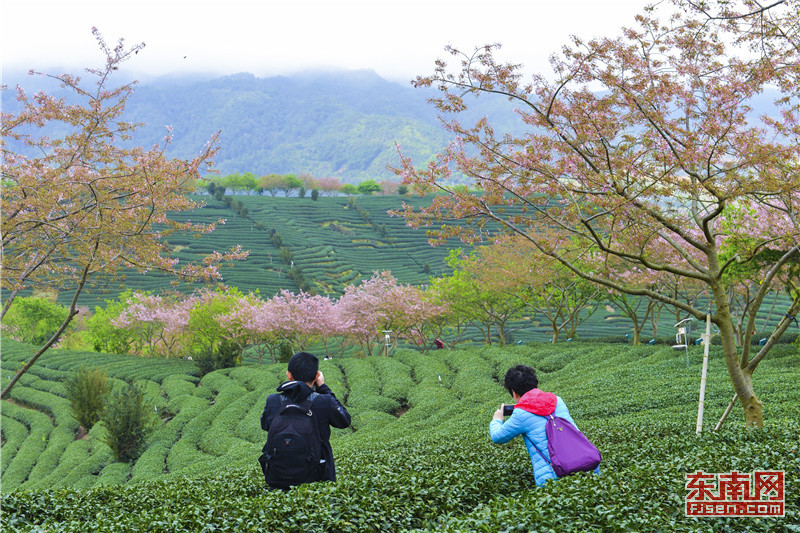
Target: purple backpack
570	450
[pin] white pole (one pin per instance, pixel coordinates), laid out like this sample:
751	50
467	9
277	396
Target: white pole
706	343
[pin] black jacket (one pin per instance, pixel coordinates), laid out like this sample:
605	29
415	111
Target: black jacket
327	412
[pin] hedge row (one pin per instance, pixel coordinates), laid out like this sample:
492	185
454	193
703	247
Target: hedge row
431	469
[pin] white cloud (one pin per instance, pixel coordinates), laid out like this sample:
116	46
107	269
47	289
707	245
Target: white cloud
397	39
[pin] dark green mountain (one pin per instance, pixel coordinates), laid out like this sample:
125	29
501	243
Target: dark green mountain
345	124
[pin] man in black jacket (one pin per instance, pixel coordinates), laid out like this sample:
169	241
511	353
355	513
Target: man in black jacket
304	379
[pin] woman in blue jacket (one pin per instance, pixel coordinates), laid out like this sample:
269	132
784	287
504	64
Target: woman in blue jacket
528	418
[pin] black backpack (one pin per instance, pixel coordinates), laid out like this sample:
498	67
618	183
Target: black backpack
293	452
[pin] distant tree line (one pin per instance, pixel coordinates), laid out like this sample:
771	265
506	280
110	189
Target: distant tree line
295	185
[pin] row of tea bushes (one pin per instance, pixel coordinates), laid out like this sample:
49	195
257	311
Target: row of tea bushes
436	485
431	469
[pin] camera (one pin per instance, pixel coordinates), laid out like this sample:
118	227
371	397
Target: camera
508	409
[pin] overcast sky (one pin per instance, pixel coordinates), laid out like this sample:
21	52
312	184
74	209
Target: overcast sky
397	39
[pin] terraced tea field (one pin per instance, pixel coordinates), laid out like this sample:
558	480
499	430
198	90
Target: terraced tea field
334	245
418	456
331	242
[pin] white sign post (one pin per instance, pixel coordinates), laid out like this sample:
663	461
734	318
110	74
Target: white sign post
387	337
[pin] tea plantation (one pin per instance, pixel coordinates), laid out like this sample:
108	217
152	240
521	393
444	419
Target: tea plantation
418	457
334	240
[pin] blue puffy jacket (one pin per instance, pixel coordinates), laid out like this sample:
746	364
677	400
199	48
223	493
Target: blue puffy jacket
529	418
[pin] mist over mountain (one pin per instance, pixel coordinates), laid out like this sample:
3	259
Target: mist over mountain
338	123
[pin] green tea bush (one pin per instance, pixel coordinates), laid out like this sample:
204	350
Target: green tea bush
253	381
155	459
75	454
432	469
14	434
22	462
230	406
178	385
395	376
59	439
114	474
86	392
334	378
128	420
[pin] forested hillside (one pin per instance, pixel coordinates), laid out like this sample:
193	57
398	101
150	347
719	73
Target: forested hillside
343	124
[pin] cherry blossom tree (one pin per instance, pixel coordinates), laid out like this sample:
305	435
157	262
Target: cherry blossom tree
159	323
253	326
643	147
272	183
303	319
79	207
329	185
411	314
382	304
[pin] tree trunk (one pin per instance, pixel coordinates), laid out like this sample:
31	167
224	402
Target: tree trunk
73	310
741	380
501	332
655	316
753	408
39	352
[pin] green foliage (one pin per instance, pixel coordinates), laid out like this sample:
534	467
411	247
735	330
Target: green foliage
315	194
226	354
127	420
292	182
105	337
33	319
238	182
368	187
419	441
286	255
86	392
204	322
285	352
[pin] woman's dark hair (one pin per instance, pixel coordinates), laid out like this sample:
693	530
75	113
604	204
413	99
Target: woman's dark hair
303	366
520	379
